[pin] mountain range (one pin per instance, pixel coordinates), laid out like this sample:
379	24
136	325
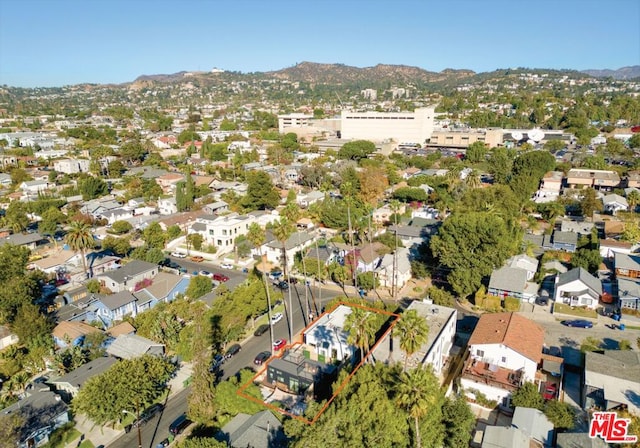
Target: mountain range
631	72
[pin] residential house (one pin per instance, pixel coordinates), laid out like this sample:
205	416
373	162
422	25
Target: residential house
167	206
613	203
297	242
417	231
579	440
28	240
598	179
42	412
383	214
165	288
128	276
400	264
261	430
609	247
122	328
69	385
627	265
215	208
33	187
628	293
7	337
220	187
368	257
63	260
183	220
512	282
118	214
505	437
578	288
633	179
326	339
535	425
71	166
550	187
425	212
129	346
582	228
613	229
71	334
222	231
325	254
169	181
306	199
524	262
436	351
505	350
567	241
612	380
117	306
5	179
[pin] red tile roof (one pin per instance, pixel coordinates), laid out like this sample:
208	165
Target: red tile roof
511	329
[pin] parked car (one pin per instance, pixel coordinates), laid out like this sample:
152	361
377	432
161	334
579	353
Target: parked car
179	425
279	344
276	318
578	323
220	277
226	266
178	254
218	360
205	273
262	329
281	285
550	392
148	414
233	350
261	357
164	443
197	259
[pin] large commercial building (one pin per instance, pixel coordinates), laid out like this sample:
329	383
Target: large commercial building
402	127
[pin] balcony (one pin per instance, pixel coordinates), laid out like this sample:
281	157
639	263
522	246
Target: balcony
492	375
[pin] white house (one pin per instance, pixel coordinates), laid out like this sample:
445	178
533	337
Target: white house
7	337
297	242
578	288
327	338
614	203
71	166
119	214
402	268
34	186
126	278
222	231
505	350
167	206
435	351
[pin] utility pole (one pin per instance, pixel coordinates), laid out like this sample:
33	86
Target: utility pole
354	271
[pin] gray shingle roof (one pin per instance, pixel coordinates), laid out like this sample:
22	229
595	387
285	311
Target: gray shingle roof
80	375
534	423
508	279
565	237
115	301
131	269
582	275
625	261
261	430
128	346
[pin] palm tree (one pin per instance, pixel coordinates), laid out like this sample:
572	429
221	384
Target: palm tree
257	237
360	326
282	230
473	180
413	331
79	239
417	393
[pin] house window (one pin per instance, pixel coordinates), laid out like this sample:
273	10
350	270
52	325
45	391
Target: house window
504	359
480	353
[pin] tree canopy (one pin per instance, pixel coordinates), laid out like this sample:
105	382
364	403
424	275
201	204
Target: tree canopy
356	150
261	193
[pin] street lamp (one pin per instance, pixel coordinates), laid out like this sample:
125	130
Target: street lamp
137	421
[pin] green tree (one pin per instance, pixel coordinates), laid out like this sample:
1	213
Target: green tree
588	259
10	428
418	393
31	326
459	422
16	216
129	384
173	232
472	245
361	326
133	152
195	240
413	331
120	227
93	286
441	297
409	194
92	187
590	203
590	344
154	236
562	415
121	246
79	238
201	401
199	285
367	280
257	237
476	152
527	396
50	220
19	175
261	193
228	125
356	150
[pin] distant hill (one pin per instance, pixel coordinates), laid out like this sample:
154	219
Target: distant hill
341	74
621	73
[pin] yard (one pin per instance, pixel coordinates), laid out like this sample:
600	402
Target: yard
561	308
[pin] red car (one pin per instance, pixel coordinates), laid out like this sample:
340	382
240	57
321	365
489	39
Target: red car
550	392
280	343
220	277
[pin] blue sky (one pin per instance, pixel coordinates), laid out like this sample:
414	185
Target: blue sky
61	42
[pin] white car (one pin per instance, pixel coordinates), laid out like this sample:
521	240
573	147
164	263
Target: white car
276	318
178	254
226	266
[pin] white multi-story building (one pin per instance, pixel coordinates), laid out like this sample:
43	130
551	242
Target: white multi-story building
413	127
71	166
167	206
505	350
327	338
221	231
292	121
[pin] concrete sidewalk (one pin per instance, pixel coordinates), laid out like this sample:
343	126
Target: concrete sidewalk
105	435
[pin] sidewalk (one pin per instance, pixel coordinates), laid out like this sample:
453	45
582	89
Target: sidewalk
105	435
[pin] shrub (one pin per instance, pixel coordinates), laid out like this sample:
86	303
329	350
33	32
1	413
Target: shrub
511	304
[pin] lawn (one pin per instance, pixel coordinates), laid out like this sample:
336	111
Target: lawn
63	436
87	444
561	308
